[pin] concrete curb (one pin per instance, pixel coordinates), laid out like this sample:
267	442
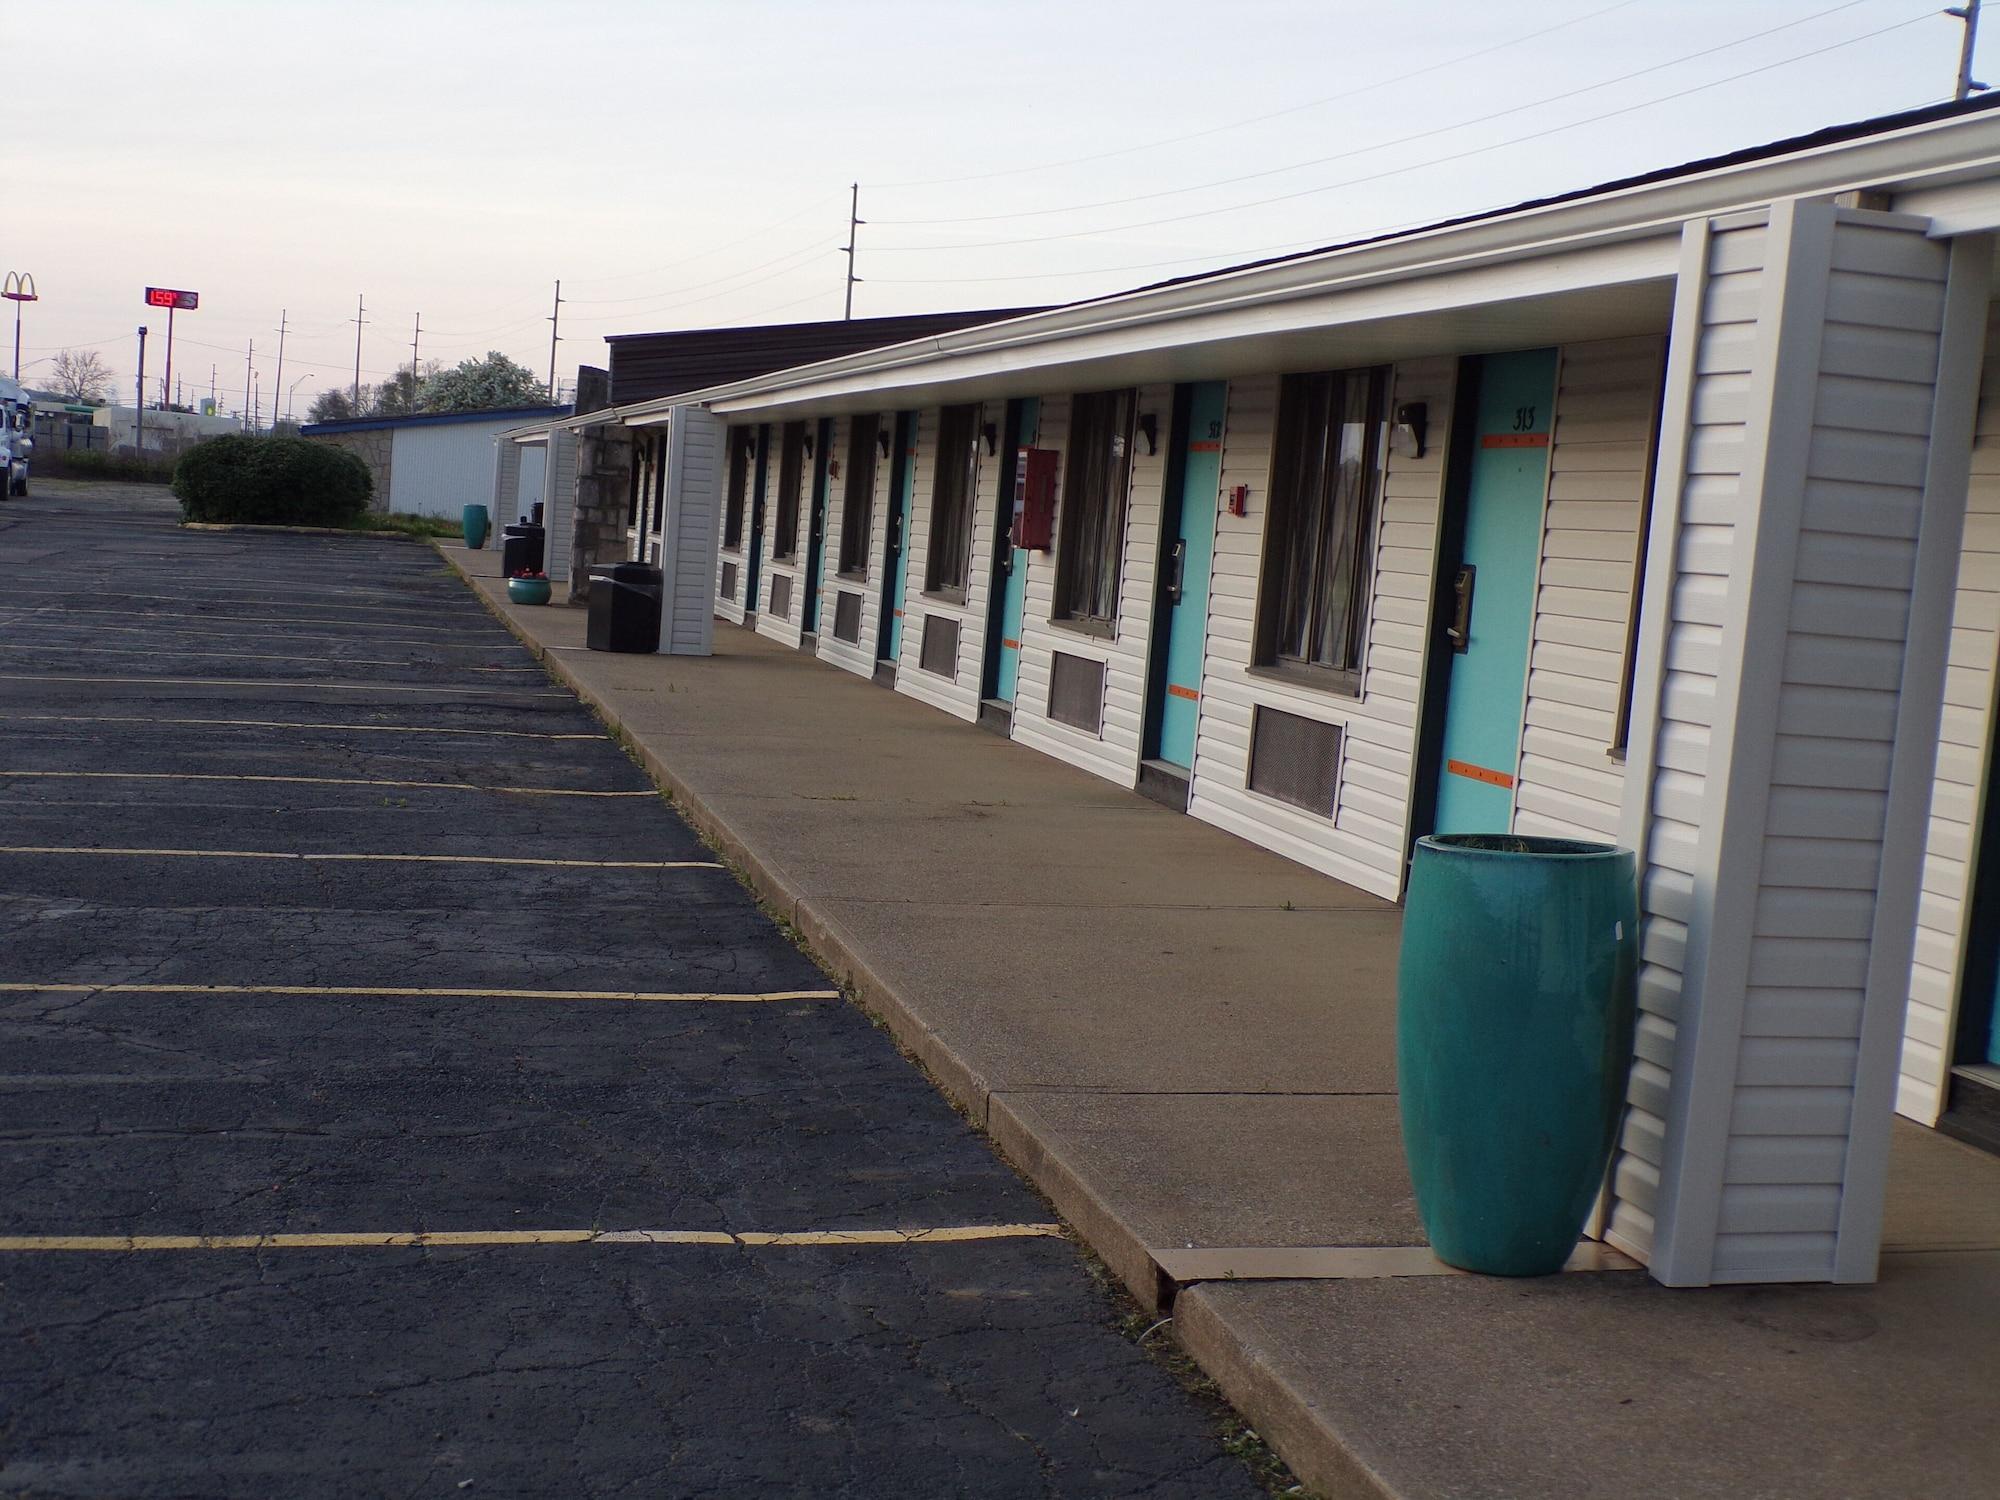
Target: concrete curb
1281	1414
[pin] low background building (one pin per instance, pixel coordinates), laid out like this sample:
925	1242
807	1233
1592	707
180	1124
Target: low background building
430	464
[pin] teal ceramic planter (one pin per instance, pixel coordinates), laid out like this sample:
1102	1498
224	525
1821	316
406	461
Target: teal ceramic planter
528	590
1515	1009
475	523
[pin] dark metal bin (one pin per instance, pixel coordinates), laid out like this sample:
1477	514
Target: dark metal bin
624	608
522	548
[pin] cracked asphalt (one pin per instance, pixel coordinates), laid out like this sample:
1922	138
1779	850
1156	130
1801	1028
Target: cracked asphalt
990	1368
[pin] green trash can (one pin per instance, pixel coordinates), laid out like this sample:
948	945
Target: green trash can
1516	999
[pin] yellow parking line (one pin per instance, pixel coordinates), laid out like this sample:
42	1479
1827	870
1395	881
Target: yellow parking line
510	734
59	648
267	682
394	859
126	1243
417	992
427	786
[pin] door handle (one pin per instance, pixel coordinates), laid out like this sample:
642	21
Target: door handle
1176	570
1459	632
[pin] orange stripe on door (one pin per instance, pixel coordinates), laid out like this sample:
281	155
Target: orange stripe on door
1208	446
1182	692
1515	440
1467	769
1010	643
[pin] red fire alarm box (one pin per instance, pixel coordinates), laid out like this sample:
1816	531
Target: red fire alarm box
1035	498
1239	500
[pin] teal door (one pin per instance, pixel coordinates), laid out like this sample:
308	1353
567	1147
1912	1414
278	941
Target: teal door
1013	598
1189	553
898	559
1494	592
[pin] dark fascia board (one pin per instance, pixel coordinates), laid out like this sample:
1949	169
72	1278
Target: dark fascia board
860	325
515	414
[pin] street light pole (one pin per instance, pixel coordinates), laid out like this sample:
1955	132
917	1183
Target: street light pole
292	391
18	287
139	423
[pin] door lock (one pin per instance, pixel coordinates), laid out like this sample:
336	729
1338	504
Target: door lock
1459	632
1176	570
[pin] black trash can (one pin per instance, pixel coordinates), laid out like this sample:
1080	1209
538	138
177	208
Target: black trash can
624	608
522	548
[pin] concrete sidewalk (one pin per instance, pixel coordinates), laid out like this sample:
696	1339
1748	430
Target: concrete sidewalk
1188	1044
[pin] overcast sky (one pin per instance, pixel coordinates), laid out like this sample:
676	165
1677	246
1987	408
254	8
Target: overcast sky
685	163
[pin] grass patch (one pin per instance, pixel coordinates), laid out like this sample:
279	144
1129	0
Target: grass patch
409	525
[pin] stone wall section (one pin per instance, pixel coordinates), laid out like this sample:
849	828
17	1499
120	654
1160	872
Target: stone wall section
373	449
604	460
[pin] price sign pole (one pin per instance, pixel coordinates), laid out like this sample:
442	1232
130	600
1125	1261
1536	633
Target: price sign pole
172	301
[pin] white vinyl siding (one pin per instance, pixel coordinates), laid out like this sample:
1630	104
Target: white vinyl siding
439	468
783	627
1366	842
1569	784
1688	575
559	496
856	656
1794	650
1965	750
694	445
732	606
1114	754
958	694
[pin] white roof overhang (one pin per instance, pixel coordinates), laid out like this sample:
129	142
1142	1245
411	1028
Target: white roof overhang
1594	266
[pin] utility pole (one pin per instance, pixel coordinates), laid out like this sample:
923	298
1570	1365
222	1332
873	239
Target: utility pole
555	323
257	401
139	425
284	317
360	317
211	390
248	358
1968	15
416	333
854	222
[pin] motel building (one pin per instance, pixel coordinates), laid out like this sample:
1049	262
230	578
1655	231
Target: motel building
1665	513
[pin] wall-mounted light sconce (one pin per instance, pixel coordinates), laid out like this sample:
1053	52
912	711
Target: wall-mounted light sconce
809	445
749	444
1406	435
1149	429
882	440
991	432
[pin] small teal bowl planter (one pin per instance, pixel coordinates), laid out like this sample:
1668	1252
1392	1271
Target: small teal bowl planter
528	590
1515	1006
475	523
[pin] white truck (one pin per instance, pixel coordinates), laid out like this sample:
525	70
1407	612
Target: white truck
17	435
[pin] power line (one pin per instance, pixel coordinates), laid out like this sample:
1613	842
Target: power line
1276	114
1490	146
813	207
1404	140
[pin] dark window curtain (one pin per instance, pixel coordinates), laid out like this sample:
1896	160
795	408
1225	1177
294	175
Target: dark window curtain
739	483
857	513
1099	466
791	470
1323	484
954	484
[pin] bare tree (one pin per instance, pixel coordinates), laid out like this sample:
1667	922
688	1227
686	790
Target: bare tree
81	375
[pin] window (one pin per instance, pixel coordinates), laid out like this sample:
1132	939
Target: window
741	445
791	472
1324	471
948	562
857	509
1095	476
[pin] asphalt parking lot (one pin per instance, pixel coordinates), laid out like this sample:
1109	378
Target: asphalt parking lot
396	1097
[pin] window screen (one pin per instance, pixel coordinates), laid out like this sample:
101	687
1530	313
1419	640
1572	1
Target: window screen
857	510
947	564
1097	471
1324	473
791	473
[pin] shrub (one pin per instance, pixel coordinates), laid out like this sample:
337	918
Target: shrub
272	481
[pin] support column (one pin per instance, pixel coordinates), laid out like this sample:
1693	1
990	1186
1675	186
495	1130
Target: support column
1816	436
